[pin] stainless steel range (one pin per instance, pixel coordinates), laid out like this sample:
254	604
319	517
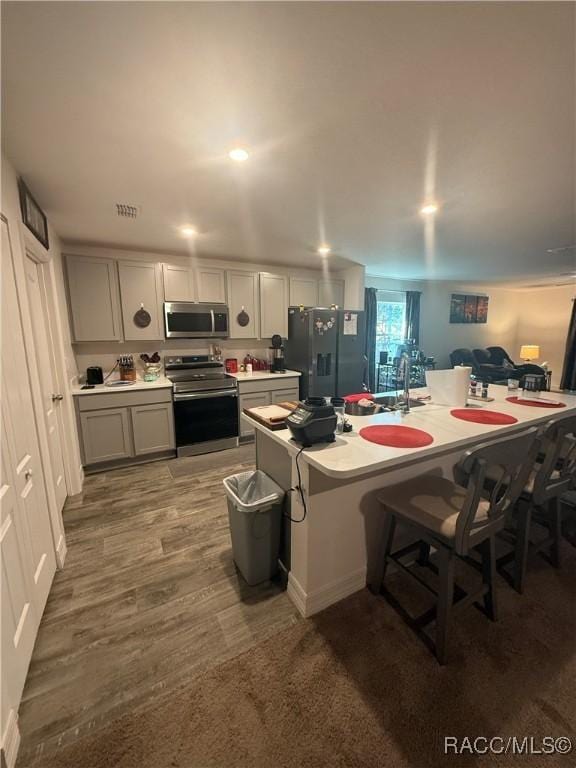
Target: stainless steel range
205	404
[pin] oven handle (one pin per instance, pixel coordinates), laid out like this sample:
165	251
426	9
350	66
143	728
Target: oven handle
206	395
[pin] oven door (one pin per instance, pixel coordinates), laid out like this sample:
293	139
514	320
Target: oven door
205	417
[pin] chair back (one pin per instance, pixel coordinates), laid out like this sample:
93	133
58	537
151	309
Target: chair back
510	460
557	472
463	356
498	355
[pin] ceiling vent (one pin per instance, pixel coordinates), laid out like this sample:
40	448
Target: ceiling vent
126	211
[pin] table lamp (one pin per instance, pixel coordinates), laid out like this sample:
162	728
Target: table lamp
529	352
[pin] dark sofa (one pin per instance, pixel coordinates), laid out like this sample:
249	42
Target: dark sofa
493	364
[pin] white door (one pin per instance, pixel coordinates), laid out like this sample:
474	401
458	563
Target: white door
51	398
25	452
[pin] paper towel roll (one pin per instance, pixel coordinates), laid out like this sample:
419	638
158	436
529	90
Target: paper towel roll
449	387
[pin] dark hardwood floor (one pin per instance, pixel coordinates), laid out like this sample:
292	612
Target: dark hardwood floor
149	597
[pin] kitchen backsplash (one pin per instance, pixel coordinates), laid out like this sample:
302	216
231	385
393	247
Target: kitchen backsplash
106	353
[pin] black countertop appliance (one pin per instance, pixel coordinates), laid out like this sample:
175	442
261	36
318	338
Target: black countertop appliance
94	375
313	422
277	355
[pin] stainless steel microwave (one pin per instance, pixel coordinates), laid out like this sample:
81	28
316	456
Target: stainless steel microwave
185	320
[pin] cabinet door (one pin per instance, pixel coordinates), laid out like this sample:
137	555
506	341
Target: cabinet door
282	395
153	427
94	299
178	283
273	305
251	401
141	288
211	285
243	295
106	435
331	292
303	290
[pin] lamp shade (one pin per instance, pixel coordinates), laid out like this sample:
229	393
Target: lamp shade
529	352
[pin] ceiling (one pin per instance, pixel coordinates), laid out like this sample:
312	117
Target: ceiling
354	115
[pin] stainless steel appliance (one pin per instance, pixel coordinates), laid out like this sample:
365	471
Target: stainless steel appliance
205	404
327	347
186	320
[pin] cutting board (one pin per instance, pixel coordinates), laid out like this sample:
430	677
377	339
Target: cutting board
271	416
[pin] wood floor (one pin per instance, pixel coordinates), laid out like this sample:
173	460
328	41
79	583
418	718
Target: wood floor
149	597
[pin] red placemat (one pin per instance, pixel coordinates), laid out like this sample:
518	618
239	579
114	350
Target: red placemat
482	416
535	403
396	437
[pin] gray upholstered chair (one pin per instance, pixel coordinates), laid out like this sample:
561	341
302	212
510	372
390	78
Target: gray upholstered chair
454	518
553	476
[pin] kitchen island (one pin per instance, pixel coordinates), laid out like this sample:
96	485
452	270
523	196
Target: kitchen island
333	548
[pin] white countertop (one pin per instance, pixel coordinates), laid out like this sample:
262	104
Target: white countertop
351	456
263	375
139	384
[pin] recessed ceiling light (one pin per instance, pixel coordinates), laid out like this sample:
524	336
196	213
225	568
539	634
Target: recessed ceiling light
324	250
429	209
238	154
188	231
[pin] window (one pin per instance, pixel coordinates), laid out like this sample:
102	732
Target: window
390	323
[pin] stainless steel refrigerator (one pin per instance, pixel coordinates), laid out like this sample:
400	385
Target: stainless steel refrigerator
327	347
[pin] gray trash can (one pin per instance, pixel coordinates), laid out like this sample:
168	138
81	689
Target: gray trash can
255	515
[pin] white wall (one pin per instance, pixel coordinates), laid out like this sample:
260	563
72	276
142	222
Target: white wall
543	319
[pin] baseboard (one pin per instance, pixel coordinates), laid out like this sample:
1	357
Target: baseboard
310	603
61	551
10	741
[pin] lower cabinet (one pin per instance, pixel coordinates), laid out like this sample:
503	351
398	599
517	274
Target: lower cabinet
123	426
264	392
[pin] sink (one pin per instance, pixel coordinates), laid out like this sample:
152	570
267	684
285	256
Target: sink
390	401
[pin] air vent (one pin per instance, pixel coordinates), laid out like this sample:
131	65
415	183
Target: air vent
126	211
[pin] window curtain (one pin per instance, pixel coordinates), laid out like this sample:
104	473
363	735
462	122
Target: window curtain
568	380
371	310
413	316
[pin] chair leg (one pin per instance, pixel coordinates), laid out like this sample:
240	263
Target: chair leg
488	551
379	570
445	601
555	511
523	519
423	553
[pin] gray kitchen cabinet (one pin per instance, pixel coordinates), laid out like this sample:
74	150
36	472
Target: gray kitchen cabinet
94	299
242	289
211	285
273	305
178	283
303	291
251	400
141	288
106	435
121	427
331	292
153	428
289	394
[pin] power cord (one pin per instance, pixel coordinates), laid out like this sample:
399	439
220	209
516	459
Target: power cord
300	491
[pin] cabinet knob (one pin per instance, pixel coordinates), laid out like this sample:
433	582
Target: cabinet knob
57	398
28	474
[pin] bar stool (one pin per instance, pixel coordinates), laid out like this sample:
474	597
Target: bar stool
553	476
454	518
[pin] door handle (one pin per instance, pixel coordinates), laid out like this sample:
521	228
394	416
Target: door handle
28	475
57	398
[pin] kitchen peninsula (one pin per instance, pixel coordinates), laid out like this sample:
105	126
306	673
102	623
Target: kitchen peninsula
337	540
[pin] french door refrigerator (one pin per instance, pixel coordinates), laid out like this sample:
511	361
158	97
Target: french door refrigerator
327	347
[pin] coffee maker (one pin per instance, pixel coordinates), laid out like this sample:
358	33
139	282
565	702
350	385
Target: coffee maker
277	355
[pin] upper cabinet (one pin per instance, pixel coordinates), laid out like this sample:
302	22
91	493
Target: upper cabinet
242	288
331	292
178	283
211	285
141	289
273	305
303	291
94	299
